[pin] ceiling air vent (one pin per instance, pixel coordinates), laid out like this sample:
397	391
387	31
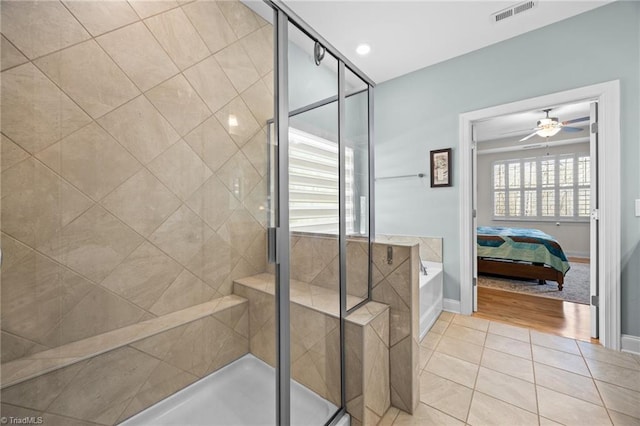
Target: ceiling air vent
513	10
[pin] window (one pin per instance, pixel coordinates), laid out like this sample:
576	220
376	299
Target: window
545	188
313	184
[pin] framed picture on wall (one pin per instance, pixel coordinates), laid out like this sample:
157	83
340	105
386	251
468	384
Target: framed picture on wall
441	167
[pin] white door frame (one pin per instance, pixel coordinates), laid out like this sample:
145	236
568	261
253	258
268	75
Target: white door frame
608	96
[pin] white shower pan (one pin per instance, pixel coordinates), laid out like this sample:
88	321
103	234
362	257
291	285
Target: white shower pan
242	393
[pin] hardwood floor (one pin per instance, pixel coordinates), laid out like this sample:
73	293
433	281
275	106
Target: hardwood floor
540	313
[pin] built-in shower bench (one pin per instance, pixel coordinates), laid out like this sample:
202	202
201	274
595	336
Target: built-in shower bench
315	343
109	377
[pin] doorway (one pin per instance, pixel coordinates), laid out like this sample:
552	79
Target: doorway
536	190
607	232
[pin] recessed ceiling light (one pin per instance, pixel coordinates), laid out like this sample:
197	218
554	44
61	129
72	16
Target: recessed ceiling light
363	49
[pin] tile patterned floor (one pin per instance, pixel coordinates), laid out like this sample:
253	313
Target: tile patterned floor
479	372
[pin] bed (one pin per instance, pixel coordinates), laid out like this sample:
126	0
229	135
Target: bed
521	253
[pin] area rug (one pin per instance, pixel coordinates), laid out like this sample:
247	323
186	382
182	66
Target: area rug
575	289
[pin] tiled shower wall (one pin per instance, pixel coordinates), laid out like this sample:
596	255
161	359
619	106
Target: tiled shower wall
133	161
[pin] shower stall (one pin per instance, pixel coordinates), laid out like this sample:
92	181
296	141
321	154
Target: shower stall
186	213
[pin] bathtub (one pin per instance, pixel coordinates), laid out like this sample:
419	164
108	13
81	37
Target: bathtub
430	295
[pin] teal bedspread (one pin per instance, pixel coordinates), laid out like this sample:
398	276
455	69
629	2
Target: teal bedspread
528	245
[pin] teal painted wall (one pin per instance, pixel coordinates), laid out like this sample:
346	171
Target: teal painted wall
419	112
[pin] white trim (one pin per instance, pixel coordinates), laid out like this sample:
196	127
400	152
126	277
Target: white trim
608	96
630	344
542	145
451	305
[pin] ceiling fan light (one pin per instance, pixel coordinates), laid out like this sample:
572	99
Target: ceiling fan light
548	131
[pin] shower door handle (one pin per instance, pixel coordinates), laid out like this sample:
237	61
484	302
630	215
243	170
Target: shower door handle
272	238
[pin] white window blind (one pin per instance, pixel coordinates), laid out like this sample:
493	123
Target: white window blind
545	188
313	184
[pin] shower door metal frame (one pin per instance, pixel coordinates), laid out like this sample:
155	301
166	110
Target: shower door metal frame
284	16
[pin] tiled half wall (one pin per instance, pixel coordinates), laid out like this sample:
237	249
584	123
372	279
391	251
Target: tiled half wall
133	162
108	378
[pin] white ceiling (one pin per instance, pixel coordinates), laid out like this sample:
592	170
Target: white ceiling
409	35
517	126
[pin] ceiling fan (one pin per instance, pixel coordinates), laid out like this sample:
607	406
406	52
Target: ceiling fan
550	126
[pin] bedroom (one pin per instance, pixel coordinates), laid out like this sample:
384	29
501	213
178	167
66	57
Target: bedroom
532	189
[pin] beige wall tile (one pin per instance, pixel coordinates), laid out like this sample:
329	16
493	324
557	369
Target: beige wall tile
36	203
623	419
10	55
142	202
213	202
186	290
137	52
163	381
256	254
260	101
140	128
158	345
14	347
239	176
211	83
240	17
212	143
237	112
197	346
210	23
570	411
237	65
91	160
259	46
98	17
179	103
13	251
256	151
94	244
146	8
257	203
40	392
180	169
182	235
35	113
11	153
89	77
379	254
98	312
36	294
179	38
143	276
232	348
486	410
56	27
399	312
120	374
401	373
445	395
214	261
240	230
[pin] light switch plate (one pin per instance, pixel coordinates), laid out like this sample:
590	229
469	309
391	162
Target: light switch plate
638	208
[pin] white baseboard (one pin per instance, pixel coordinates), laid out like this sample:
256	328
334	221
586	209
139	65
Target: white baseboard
630	343
451	305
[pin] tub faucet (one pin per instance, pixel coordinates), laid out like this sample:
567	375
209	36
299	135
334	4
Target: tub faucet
423	269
